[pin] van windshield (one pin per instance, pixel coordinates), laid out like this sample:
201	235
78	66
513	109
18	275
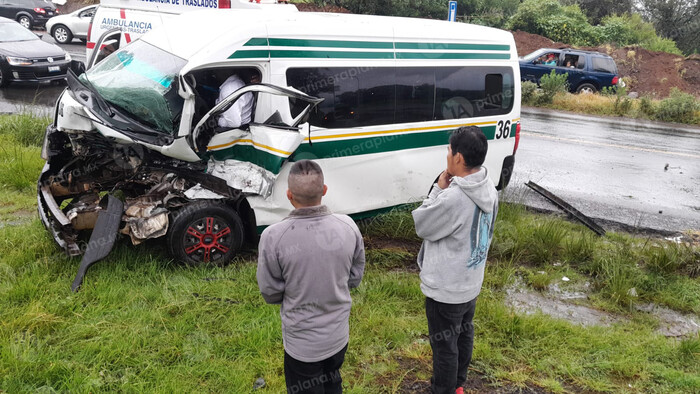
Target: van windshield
141	80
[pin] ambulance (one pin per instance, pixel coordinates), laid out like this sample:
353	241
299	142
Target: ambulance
119	22
136	148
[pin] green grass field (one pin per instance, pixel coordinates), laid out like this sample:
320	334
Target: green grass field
142	323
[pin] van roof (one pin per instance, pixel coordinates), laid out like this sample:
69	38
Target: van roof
220	33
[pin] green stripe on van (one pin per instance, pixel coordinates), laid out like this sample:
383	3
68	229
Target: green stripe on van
294	42
248	54
377	144
283	54
330	54
248	153
342	148
442	55
256	42
450	46
310	43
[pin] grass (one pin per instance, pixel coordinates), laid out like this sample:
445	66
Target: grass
143	323
597	104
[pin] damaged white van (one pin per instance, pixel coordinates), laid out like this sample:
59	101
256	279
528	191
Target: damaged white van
136	147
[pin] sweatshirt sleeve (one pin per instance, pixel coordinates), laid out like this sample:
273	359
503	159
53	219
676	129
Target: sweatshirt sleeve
358	261
270	280
434	218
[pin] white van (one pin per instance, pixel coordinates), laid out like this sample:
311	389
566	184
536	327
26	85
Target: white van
119	22
372	99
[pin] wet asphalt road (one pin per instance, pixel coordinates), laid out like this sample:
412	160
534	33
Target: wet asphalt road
639	173
38	98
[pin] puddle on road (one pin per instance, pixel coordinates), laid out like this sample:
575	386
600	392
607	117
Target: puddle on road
558	304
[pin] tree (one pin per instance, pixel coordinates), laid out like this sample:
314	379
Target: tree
678	20
598	9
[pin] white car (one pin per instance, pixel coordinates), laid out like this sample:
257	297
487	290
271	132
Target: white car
64	28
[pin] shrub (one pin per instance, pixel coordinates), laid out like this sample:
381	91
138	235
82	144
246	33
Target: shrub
626	29
569	24
529	92
551	85
678	107
622	104
663	45
647	107
550	19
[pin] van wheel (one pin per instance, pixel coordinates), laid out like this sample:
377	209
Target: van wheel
205	232
62	34
25	21
586	88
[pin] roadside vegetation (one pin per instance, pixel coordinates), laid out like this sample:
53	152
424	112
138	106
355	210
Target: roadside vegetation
679	107
144	323
575	22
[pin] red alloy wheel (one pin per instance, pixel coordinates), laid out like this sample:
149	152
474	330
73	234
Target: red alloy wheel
207	239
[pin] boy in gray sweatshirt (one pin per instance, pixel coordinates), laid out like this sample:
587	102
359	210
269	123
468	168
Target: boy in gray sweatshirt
308	263
456	224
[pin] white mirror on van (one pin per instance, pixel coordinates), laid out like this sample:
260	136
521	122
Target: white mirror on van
305	129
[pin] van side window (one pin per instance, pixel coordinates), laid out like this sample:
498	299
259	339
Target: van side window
356	97
353	96
415	94
465	92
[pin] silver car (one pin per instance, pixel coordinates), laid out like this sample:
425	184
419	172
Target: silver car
64	28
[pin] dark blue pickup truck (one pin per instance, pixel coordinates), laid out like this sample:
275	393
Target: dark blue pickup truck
588	71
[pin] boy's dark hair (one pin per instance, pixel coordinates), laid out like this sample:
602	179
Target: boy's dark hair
306	182
471	142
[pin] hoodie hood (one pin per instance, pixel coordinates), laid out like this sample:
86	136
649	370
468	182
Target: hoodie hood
479	188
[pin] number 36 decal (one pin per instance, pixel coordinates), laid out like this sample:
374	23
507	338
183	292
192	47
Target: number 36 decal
503	129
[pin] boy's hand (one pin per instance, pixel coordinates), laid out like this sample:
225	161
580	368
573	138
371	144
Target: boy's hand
444	180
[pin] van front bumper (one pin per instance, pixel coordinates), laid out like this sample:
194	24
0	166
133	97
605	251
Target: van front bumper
53	218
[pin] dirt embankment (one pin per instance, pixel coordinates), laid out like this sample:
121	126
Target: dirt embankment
644	71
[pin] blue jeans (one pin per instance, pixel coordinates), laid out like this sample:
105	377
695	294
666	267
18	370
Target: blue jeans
452	339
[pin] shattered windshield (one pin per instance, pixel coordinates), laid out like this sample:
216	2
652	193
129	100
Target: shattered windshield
141	80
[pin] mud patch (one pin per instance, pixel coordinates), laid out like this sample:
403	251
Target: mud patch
17	218
672	323
530	302
393	254
477	382
558	303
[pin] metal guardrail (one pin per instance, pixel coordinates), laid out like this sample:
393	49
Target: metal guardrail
573	212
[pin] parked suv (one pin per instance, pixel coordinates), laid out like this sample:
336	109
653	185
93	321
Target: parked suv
29	13
587	71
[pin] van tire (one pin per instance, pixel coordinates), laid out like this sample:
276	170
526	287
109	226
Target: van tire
200	231
586	88
62	34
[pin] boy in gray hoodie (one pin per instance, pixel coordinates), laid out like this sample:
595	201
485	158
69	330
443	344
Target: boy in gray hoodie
456	224
308	263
